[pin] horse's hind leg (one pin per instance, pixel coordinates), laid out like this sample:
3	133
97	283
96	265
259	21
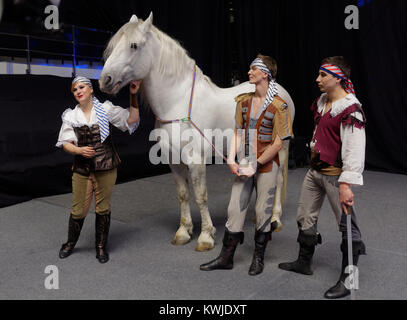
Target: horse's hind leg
281	185
184	232
277	208
206	239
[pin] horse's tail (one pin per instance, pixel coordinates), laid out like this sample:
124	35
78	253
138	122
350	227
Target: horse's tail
284	159
285	178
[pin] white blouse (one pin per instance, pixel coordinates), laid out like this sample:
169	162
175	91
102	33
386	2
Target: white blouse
76	118
353	140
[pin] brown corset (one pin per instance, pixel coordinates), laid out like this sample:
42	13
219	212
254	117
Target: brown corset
106	157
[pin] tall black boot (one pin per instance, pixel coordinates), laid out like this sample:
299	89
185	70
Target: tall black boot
74	230
260	241
102	225
339	290
225	258
303	264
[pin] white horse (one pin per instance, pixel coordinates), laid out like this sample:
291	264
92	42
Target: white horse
139	50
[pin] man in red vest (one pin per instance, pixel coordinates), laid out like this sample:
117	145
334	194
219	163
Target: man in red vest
337	163
263	120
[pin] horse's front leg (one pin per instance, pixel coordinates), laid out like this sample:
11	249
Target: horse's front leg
184	232
206	240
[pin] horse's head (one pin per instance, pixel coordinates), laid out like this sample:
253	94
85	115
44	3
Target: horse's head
127	55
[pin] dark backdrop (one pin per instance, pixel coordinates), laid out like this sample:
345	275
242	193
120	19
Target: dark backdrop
297	33
300	33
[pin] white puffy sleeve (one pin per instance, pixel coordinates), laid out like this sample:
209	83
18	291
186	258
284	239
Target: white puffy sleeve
353	152
118	117
66	133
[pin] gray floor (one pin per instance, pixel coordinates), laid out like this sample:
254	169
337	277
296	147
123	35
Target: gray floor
144	264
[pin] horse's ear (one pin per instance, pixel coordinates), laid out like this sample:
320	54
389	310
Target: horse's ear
146	26
150	17
133	19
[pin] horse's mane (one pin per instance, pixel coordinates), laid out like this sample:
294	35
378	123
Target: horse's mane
174	61
113	42
173	57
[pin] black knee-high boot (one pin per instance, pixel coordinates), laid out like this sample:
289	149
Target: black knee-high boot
74	230
225	258
339	290
303	264
102	225
260	241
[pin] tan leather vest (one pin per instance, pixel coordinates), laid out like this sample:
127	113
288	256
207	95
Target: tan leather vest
106	157
264	125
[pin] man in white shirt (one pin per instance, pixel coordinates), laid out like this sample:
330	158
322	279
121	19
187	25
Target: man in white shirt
337	162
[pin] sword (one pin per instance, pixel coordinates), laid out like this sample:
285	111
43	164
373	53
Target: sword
350	252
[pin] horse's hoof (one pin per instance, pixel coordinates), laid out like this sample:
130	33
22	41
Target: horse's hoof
279	226
204	246
206	240
181	237
177	242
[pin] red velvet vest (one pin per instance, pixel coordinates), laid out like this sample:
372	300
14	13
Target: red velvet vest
327	136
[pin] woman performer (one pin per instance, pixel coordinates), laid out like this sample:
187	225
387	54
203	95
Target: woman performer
85	133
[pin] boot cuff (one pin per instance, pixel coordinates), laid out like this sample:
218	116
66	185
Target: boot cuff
309	239
358	247
232	236
262	237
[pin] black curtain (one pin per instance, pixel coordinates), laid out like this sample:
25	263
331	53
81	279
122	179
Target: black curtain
299	34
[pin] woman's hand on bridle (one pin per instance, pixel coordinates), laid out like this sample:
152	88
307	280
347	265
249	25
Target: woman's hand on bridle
135	86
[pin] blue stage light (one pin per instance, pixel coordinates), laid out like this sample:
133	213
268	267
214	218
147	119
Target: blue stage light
361	3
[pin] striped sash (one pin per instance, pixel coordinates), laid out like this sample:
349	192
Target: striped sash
102	119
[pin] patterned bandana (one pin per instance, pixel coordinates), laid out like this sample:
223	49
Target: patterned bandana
102	118
83	80
337	72
272	90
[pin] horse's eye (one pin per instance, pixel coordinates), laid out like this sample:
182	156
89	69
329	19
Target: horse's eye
134	46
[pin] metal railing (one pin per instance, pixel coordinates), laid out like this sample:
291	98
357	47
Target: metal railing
73	43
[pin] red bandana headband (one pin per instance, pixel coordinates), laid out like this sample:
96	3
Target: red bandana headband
337	72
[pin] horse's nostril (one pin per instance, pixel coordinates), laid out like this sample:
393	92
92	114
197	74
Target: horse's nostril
108	80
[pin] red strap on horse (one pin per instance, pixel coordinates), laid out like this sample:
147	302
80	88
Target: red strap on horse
188	119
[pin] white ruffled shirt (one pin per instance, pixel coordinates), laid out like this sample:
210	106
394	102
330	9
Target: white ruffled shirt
76	118
353	140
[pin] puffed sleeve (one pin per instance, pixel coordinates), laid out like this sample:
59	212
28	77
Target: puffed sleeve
118	117
282	123
66	133
353	151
